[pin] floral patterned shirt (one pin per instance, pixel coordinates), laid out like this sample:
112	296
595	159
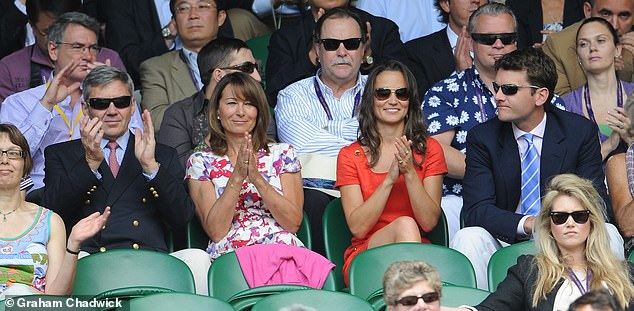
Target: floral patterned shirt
461	102
252	222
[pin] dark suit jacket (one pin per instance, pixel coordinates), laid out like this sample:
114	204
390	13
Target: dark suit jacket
516	291
430	59
492	181
140	210
530	18
288	50
133	29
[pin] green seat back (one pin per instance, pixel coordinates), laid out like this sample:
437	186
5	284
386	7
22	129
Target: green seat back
176	301
260	48
631	257
196	237
227	283
337	236
367	268
455	296
504	258
318	300
140	271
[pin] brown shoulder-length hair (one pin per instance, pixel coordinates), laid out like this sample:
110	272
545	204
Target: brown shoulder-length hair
415	126
248	89
16	137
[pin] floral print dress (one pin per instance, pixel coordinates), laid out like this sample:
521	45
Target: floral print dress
252	222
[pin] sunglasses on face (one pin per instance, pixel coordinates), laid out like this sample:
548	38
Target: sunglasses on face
413	300
510	89
560	218
384	93
333	44
246	67
103	103
490	38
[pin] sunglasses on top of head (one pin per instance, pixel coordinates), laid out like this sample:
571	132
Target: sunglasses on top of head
384	93
103	103
350	44
510	89
560	218
490	38
413	300
246	67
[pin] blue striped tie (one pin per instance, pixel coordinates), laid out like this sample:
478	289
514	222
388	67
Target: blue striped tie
530	179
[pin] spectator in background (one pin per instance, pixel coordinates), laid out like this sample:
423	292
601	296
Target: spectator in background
31	66
173	76
536	18
431	58
185	124
596	300
414	19
292	55
561	46
51	113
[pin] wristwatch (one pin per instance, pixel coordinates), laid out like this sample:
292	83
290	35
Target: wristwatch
167	34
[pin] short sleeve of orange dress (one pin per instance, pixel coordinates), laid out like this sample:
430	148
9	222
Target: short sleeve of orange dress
352	169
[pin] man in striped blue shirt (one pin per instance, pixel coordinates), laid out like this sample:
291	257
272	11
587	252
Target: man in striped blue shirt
317	114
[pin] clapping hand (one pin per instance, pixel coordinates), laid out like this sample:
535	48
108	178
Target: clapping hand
619	122
462	52
61	86
91	135
145	144
404	155
86	228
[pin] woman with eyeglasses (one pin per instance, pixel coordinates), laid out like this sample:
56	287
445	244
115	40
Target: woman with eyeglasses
391	178
412	286
601	98
246	190
573	254
35	256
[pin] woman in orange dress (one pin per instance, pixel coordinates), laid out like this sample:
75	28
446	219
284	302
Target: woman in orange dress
391	178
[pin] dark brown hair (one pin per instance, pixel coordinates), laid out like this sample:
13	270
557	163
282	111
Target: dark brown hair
16	137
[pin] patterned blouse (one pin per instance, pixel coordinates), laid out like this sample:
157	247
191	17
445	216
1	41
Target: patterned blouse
252	222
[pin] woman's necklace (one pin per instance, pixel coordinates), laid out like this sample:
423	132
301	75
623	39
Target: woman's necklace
4	215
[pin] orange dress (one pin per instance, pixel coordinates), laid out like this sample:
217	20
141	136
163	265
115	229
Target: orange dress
353	169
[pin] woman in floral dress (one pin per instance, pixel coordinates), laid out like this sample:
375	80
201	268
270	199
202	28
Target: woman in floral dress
246	190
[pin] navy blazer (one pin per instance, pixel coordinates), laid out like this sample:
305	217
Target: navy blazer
492	181
140	210
430	58
516	291
288	50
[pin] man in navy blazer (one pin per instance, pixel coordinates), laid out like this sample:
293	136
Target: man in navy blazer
565	143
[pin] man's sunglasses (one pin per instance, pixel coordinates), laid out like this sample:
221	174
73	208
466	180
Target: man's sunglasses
413	300
246	67
384	93
490	38
511	89
560	218
103	103
333	44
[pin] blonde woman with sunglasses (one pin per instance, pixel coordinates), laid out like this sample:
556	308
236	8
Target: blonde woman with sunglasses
573	255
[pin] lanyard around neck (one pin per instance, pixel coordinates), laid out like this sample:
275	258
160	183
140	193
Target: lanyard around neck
324	104
575	280
71	127
588	100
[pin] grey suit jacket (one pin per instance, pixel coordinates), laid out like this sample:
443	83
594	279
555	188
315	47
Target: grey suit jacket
165	80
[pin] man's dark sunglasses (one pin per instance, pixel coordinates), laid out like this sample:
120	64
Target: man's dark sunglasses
103	103
413	300
490	38
384	93
560	218
510	89
333	44
246	67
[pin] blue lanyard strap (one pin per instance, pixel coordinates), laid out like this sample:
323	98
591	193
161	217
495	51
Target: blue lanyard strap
575	280
324	105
